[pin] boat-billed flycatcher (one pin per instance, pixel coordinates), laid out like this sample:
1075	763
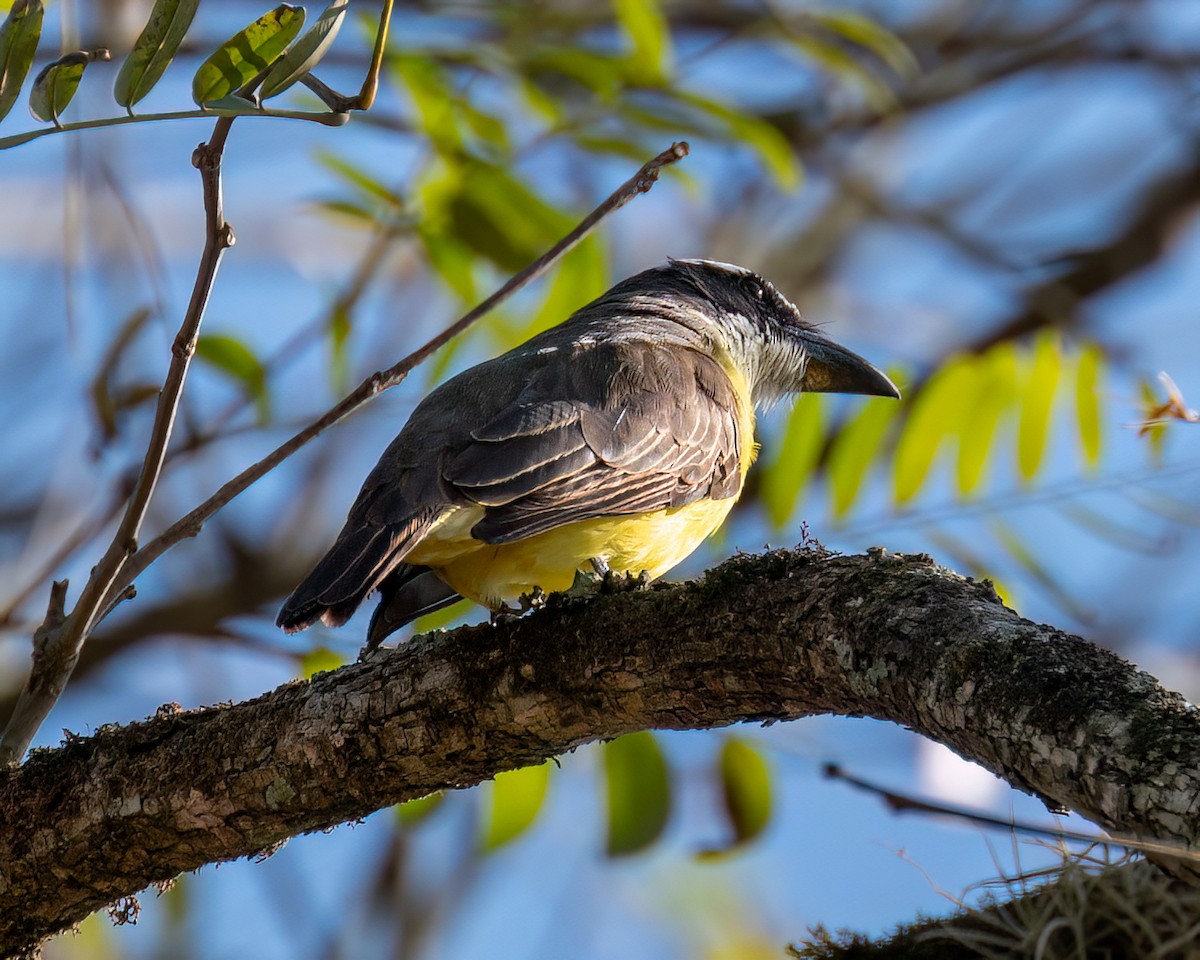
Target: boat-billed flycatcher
618	440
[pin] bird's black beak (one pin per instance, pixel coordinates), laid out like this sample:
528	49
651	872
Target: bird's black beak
834	369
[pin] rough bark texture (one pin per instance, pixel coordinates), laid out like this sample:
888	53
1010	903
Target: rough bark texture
772	637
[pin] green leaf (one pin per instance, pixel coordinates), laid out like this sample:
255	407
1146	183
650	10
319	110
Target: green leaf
237	361
995	390
153	50
871	36
412	812
746	789
247	53
1033	428
318	660
580	277
359	179
1088	390
639	793
799	450
934	416
774	152
855	450
516	799
308	51
500	218
433	98
19	35
846	67
54	88
647	29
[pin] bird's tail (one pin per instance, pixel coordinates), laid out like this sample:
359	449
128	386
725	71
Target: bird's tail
362	556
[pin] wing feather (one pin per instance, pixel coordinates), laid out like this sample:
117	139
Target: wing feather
635	429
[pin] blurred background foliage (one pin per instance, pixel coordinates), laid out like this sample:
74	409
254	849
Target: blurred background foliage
995	200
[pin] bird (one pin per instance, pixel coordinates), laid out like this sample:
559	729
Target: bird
617	440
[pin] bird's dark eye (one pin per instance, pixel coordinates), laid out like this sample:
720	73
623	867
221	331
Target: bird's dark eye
753	287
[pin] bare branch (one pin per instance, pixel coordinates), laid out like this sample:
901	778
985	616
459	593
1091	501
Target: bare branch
59	639
191	524
774	637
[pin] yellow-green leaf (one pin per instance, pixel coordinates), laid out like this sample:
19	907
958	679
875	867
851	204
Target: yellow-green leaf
54	88
516	800
995	391
1033	429
650	35
247	53
412	812
153	50
237	361
746	789
639	792
870	35
784	480
935	415
856	449
318	660
19	35
1088	388
774	151
308	51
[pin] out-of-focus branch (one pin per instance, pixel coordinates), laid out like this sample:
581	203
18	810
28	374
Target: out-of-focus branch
774	637
57	642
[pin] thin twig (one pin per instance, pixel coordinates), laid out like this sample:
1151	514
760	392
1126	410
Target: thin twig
207	113
191	524
904	803
58	641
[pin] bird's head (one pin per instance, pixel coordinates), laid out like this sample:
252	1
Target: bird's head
777	350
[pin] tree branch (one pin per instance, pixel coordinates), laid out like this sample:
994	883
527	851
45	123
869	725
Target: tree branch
761	638
60	638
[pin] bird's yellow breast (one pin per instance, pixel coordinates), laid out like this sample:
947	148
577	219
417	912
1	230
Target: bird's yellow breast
491	573
653	542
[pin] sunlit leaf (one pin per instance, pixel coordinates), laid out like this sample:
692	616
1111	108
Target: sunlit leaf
650	35
318	660
935	415
516	799
412	812
433	98
153	50
358	178
871	35
746	790
995	392
500	218
1033	428
639	792
799	448
772	147
55	86
579	277
19	35
846	67
1087	402
306	53
856	449
604	75
237	361
247	53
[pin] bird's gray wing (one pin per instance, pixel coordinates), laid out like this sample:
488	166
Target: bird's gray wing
620	429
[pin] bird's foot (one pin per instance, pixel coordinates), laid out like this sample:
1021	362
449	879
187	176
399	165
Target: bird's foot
625	582
533	600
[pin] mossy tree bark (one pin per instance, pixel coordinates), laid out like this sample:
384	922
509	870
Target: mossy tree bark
772	637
